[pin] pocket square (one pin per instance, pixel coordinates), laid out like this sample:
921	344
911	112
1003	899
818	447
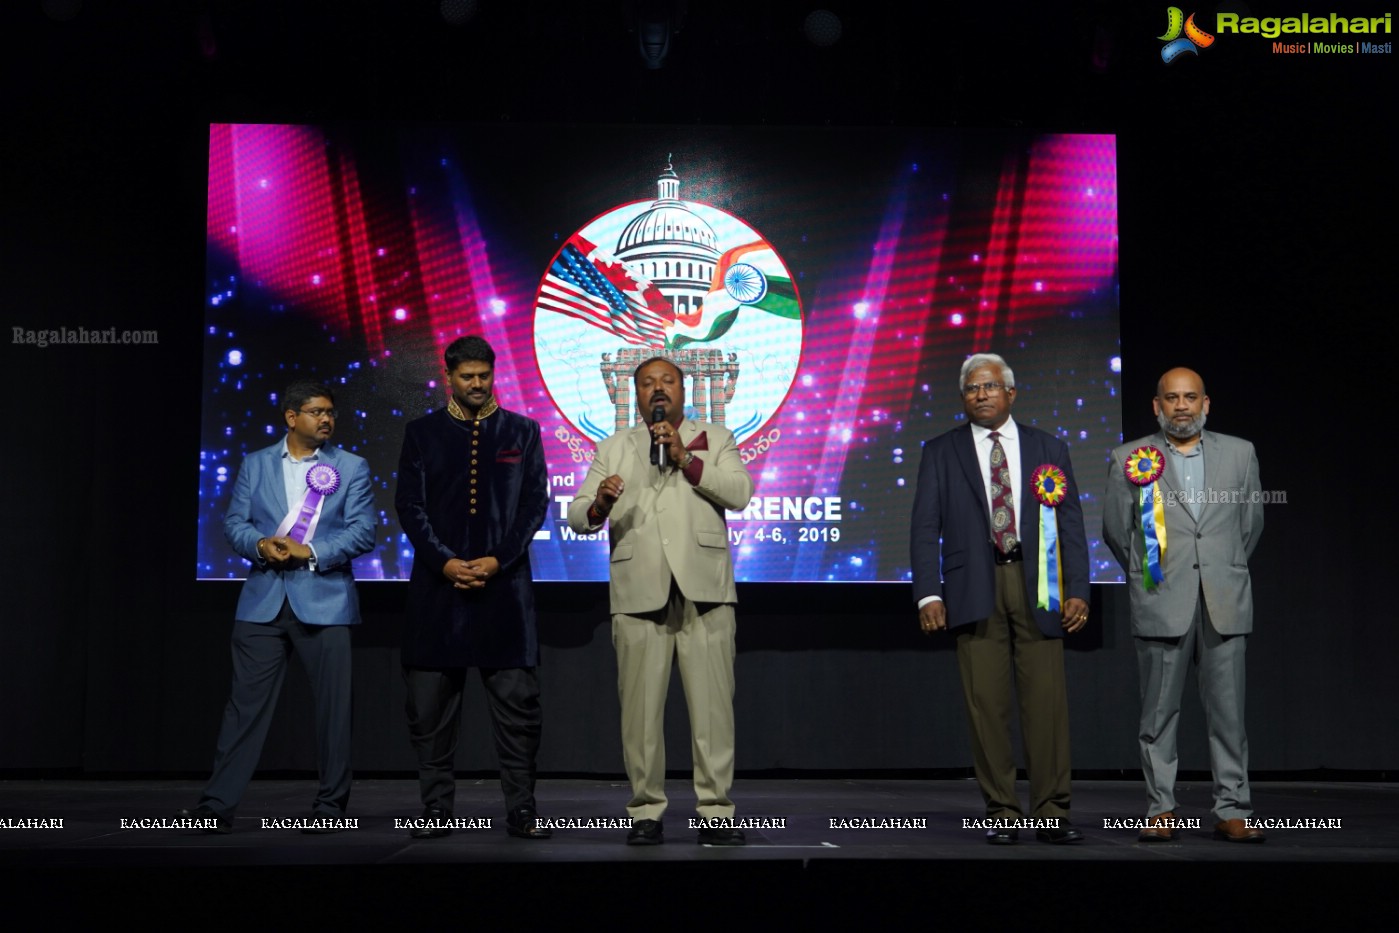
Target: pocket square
701	442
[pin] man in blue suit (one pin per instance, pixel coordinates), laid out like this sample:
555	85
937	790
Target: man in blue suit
301	511
976	568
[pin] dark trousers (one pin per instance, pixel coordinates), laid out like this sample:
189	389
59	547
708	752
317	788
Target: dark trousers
434	719
260	653
988	652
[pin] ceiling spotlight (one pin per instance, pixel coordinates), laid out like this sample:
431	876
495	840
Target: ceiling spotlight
62	10
655	21
822	28
458	12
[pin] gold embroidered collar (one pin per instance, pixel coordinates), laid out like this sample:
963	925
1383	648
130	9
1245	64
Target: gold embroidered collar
455	410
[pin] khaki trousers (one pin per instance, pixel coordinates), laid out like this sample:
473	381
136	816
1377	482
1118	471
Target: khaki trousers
702	636
988	652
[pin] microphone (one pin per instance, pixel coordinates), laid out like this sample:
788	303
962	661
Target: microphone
658	449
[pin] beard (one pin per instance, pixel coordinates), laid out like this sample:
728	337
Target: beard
1184	431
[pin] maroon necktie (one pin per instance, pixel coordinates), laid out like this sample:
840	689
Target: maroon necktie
1002	500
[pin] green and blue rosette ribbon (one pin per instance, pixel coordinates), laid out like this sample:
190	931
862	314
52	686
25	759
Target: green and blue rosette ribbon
1050	486
1144	467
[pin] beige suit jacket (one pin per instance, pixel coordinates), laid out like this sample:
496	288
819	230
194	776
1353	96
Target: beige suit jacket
663	526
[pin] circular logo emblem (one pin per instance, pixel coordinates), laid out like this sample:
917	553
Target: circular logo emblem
674	279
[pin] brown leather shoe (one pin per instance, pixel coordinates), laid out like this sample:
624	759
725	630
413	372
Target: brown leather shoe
1159	828
1237	831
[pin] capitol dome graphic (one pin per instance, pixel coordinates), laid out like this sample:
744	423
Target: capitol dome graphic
675	279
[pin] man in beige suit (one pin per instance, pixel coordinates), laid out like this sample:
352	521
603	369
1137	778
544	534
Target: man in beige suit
672	593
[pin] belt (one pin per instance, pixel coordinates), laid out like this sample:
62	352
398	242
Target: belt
1014	556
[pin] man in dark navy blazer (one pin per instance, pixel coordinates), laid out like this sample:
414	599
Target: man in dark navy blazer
473	489
975	551
301	510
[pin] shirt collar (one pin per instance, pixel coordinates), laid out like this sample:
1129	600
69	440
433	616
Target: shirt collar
1008	432
286	454
1195	451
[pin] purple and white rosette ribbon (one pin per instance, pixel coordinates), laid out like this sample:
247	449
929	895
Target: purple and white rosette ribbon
300	524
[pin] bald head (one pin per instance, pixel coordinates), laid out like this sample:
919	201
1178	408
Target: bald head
1181	403
1180	372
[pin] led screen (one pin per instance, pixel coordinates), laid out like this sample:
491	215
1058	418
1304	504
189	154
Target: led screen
820	288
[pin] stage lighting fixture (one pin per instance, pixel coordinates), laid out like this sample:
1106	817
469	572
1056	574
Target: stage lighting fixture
458	12
822	28
655	21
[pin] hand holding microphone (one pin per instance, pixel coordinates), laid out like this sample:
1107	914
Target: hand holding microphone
658	440
666	447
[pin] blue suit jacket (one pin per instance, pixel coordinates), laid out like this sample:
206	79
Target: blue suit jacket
951	505
325	596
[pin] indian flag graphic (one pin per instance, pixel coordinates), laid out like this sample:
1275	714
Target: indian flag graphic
747	276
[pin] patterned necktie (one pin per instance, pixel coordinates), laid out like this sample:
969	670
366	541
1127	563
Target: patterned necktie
1002	500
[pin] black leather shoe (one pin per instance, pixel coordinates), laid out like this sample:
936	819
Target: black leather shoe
1064	833
645	833
1002	837
523	823
329	823
222	825
722	836
436	815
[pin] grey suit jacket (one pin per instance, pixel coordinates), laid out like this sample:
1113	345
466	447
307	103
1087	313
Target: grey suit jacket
1208	555
663	525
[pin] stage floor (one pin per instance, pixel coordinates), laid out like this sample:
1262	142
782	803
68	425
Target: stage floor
796	862
104	821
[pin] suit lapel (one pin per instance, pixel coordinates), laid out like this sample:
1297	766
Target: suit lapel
1027	507
328	455
966	456
1031	456
274	486
641	441
1170	485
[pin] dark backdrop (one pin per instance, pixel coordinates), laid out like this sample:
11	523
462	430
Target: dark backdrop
1257	224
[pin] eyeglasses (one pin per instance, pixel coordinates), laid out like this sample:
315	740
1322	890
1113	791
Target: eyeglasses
317	412
990	388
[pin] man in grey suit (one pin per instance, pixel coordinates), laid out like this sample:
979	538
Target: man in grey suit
300	511
664	489
1201	606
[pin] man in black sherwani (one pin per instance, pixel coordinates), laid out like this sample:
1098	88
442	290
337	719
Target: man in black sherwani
472	491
